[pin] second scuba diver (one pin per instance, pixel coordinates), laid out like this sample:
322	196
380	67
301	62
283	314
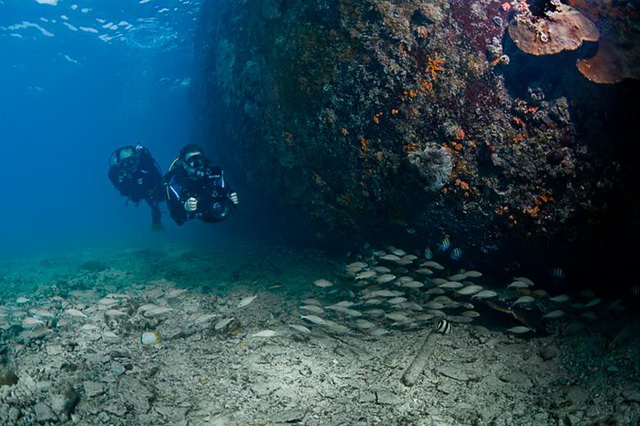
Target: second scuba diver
137	176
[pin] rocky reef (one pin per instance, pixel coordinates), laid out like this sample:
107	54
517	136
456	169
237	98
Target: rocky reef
423	119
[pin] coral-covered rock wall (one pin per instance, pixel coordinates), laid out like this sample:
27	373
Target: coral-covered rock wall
413	117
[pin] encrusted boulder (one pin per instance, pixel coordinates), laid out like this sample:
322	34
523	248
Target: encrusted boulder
383	119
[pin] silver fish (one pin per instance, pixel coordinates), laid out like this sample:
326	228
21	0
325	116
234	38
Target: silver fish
457	277
222	323
365	275
484	294
357	265
313	319
364	324
397	316
553	314
524	280
75	313
390	257
473	288
432	264
385	278
246	301
593	302
518	284
300	328
378	332
322	283
519	329
203	319
524	299
413	284
312	308
560	299
397	251
265	333
451	285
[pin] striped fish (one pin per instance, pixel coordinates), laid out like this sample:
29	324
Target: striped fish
456	253
443	326
445	244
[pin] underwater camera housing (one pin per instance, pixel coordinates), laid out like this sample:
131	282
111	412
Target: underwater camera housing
220	204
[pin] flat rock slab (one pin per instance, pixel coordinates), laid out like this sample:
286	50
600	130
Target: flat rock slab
631	395
458	374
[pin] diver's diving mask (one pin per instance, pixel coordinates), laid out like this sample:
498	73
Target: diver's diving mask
194	160
127	160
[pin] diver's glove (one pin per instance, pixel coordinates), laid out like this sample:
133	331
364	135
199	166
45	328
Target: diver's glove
191	204
234	198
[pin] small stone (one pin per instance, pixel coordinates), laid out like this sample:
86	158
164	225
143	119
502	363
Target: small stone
288	416
92	389
14	414
549	352
454	373
117	369
386	397
366	397
64	404
115	408
44	413
7	378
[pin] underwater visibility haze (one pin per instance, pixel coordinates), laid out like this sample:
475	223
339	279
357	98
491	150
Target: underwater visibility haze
80	80
372	212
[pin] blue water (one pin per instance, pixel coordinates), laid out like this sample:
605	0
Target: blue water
77	80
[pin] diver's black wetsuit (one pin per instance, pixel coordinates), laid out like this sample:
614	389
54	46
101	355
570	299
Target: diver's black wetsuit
138	178
205	184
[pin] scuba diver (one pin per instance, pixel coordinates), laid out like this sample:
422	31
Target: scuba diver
137	176
196	188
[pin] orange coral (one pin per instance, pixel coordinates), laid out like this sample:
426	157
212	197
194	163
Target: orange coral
518	122
426	86
462	184
411	147
435	65
364	145
538	205
402	49
518	138
501	210
422	32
